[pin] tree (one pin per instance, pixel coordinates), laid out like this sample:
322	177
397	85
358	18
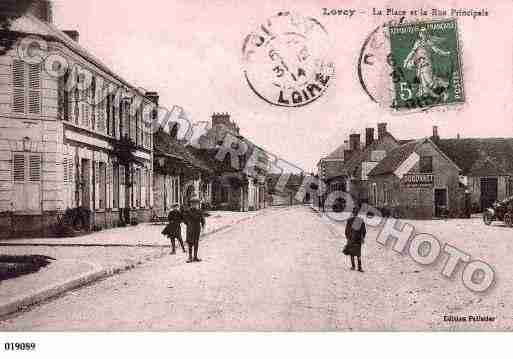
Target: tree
10	11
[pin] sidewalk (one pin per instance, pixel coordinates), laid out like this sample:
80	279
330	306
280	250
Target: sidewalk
81	260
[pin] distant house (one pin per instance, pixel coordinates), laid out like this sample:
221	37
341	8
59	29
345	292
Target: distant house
179	175
239	183
417	180
486	166
444	176
347	168
286	196
361	161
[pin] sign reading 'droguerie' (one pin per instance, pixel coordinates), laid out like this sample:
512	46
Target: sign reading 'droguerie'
417	180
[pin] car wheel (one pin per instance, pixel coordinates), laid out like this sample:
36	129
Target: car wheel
487	218
508	220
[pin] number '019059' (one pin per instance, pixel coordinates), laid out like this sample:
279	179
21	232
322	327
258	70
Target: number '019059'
9	346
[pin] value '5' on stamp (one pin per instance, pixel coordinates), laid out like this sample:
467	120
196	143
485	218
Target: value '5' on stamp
426	62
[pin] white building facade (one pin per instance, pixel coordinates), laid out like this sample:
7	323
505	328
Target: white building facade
73	134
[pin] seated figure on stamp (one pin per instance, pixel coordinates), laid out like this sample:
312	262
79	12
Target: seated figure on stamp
421	59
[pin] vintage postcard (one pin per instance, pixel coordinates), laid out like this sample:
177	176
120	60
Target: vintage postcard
313	165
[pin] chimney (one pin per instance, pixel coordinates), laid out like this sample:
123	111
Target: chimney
435	137
42	9
354	142
369	136
73	34
382	129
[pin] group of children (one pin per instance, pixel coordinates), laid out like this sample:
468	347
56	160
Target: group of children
194	219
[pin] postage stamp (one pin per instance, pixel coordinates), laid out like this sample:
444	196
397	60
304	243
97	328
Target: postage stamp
286	60
426	61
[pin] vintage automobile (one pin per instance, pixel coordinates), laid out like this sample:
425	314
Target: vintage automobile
500	211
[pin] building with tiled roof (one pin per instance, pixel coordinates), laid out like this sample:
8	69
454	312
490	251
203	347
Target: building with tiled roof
432	176
76	133
350	172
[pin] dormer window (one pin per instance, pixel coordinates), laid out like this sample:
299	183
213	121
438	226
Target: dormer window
426	164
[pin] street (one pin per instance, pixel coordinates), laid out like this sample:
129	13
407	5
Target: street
285	271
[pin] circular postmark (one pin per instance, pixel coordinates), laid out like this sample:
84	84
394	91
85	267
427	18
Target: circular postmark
286	60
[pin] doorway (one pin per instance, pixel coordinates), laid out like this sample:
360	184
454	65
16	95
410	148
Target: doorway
86	183
440	202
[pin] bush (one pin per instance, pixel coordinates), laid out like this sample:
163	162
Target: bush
134	222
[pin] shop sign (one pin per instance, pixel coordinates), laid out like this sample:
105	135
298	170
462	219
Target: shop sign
418	180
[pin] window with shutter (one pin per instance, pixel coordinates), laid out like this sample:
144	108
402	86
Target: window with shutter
108	114
65	169
122	174
115	184
34	94
64	97
18	71
27	181
76	111
19	167
26	87
71	169
102	185
35	168
91	100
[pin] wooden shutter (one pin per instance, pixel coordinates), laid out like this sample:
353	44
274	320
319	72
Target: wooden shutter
71	168
91	100
115	185
65	169
34	94
122	190
18	73
19	167
35	168
27	182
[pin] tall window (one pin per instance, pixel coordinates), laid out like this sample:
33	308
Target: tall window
426	164
85	100
91	102
374	194
115	186
26	169
148	186
26	80
109	114
64	97
102	185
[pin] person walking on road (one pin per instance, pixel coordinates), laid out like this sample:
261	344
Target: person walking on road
173	230
355	234
195	221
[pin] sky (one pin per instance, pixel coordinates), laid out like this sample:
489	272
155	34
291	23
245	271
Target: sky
190	52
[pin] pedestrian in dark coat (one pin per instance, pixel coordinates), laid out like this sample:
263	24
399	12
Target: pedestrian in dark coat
195	220
355	234
173	230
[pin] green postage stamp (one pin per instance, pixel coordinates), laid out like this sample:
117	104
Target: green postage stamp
426	62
